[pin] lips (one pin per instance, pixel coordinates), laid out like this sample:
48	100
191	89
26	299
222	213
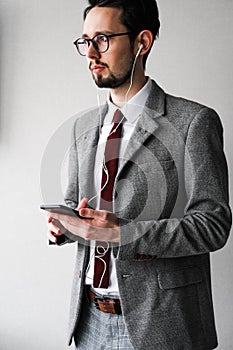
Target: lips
97	69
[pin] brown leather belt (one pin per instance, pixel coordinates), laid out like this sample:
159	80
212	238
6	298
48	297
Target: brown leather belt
105	304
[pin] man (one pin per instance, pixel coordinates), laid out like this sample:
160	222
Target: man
168	189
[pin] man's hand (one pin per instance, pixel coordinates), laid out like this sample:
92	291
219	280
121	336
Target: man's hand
98	225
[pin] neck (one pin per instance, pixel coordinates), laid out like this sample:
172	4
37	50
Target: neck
118	95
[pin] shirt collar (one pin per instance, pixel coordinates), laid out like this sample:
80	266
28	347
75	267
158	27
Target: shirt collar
133	108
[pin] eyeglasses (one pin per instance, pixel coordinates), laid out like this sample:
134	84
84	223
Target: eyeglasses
100	43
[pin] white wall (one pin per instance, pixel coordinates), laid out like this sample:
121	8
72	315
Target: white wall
43	83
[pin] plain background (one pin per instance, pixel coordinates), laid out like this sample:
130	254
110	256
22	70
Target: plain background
43	83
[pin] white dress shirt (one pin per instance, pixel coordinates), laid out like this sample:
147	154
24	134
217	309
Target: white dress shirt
131	111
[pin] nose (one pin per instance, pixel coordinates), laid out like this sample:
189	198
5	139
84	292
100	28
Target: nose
92	52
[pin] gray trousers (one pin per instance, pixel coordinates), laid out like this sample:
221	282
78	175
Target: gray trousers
101	331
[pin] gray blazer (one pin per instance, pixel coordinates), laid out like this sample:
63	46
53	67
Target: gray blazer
171	196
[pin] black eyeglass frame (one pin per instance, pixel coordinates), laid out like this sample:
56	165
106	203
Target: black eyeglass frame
89	41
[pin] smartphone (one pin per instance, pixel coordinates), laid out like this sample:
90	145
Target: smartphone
60	209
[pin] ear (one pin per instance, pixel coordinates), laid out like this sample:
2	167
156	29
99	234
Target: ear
146	39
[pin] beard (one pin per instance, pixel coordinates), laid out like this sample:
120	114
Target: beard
113	80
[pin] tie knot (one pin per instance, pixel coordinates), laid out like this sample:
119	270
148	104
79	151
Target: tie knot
117	116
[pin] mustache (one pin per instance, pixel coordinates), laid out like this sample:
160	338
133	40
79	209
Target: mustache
98	62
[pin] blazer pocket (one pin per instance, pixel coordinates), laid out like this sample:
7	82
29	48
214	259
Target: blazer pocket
179	278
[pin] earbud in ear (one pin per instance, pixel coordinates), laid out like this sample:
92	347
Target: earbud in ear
139	50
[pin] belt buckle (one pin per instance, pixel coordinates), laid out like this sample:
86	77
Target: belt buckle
96	302
104	300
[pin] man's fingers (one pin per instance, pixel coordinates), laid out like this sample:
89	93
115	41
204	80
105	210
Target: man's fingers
51	237
55	227
101	215
89	213
82	204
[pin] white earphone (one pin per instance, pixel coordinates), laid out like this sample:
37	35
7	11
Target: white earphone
139	50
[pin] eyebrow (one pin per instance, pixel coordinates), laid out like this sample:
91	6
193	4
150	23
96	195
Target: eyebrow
105	32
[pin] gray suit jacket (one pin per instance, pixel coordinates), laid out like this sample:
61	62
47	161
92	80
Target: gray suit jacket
171	195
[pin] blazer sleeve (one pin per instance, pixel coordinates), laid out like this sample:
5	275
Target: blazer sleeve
206	220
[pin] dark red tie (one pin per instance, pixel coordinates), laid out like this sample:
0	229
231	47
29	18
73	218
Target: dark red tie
111	156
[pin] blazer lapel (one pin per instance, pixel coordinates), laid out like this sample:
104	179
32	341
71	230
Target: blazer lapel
88	142
147	124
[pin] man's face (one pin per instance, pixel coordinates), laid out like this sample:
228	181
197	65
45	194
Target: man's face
112	68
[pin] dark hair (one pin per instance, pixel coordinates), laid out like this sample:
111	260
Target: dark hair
137	15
